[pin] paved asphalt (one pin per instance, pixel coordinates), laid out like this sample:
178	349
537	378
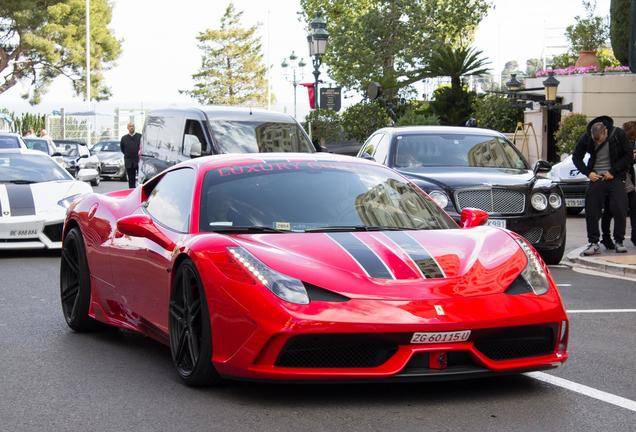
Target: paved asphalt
55	380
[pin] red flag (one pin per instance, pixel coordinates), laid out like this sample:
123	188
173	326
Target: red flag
311	91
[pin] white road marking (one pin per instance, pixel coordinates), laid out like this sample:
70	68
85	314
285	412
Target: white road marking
601	274
565	285
584	390
558	266
601	311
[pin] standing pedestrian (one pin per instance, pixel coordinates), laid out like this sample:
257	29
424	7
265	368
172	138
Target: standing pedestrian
610	158
129	145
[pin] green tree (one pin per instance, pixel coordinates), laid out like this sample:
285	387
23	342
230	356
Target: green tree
325	125
232	70
389	41
588	33
362	119
570	130
456	63
619	29
496	112
452	107
43	39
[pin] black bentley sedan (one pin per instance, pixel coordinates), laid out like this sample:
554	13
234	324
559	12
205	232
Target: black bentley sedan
469	167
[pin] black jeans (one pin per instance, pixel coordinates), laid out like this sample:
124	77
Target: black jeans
131	172
597	193
606	220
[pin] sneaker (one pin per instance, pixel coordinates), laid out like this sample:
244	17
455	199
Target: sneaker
620	248
608	243
592	249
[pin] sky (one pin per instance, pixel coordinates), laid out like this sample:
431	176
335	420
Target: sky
160	49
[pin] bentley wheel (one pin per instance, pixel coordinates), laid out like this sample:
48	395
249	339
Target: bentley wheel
553	256
75	288
189	329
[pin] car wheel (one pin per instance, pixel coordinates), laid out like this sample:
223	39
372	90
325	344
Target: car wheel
189	329
553	256
573	211
97	179
75	288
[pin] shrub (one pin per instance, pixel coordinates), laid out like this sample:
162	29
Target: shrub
570	130
497	113
589	33
325	125
362	119
416	113
452	107
619	29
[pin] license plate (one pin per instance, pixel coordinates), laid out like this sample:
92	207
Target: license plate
575	202
440	337
500	223
20	230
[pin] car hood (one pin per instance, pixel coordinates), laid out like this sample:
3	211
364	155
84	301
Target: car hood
395	265
463	177
565	171
109	156
42	198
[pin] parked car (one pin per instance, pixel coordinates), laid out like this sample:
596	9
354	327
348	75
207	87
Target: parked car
10	140
41	144
111	159
311	268
76	157
479	168
34	195
174	135
572	183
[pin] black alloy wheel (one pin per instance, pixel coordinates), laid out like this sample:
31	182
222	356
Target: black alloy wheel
75	288
189	329
553	256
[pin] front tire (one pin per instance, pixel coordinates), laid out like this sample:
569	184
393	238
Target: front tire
553	256
75	286
189	329
96	180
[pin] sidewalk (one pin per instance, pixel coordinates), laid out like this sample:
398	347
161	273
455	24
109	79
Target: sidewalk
608	262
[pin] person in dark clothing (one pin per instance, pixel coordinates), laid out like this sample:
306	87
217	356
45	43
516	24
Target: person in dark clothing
630	187
129	145
610	158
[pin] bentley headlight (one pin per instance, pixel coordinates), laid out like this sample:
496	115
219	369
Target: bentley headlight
555	200
283	286
66	202
440	198
533	274
539	201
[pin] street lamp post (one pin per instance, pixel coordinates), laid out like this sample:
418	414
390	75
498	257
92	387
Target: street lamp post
88	68
317	41
294	77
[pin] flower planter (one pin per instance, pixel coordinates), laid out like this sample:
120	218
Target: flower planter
586	59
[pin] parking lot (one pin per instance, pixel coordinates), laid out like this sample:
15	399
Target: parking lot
54	379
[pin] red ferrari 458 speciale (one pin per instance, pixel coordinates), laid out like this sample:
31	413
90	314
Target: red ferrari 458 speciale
298	267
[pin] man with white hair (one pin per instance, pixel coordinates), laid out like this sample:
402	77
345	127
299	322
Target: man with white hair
129	145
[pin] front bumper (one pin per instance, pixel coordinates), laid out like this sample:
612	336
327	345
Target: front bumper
369	340
112	171
574	193
31	232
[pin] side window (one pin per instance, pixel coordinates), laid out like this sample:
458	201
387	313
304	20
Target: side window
170	202
382	150
192	133
370	145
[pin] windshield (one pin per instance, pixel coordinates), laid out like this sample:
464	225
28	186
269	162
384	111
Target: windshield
106	146
37	144
456	150
300	196
259	137
69	150
33	168
9	142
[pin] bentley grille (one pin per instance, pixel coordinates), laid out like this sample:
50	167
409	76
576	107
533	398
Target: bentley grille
492	200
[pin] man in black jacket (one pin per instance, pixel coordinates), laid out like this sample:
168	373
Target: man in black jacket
610	158
129	145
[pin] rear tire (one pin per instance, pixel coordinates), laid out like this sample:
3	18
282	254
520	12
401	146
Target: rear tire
96	181
75	286
189	329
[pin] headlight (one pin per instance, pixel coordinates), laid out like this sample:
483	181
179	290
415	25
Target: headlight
148	170
66	202
283	286
539	201
440	198
533	273
555	200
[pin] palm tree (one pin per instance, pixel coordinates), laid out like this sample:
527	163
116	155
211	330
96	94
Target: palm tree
456	63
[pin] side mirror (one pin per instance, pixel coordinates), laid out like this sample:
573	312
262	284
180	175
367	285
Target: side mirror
367	156
141	225
472	217
542	166
191	146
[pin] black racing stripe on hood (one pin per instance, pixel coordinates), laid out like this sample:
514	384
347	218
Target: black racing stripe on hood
363	255
420	256
20	199
606	120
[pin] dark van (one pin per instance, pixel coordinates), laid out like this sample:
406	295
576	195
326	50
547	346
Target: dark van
173	135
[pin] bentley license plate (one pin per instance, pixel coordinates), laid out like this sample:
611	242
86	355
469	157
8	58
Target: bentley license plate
499	223
440	337
575	202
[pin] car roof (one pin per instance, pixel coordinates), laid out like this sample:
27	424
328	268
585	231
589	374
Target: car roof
459	130
22	151
222	160
11	134
219	112
35	138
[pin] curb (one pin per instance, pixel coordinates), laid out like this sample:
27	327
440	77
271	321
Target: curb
574	259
